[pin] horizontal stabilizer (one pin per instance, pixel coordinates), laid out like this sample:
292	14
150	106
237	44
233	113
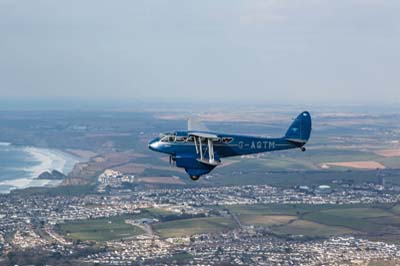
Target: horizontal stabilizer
297	141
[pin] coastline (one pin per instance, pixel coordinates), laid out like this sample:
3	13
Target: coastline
47	160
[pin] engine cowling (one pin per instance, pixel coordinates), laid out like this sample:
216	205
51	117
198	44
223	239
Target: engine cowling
192	166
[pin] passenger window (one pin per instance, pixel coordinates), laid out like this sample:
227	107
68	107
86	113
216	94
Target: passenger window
227	140
180	139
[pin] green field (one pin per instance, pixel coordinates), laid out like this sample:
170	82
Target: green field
396	209
279	162
311	229
358	213
379	221
103	229
371	221
288	179
311	160
266	220
290	168
279	209
193	226
111	228
340	155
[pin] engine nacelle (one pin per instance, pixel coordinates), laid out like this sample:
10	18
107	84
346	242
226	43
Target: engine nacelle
192	166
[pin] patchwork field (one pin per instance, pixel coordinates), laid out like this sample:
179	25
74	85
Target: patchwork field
389	153
266	220
189	227
99	229
111	228
379	222
368	221
311	229
355	164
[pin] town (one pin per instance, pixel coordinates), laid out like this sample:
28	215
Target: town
336	204
35	223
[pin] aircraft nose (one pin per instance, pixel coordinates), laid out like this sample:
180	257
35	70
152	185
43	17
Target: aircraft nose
153	145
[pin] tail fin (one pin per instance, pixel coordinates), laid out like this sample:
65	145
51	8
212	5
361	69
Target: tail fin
300	130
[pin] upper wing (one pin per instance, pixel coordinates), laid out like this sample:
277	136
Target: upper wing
203	135
195	124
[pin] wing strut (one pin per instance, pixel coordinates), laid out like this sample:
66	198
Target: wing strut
209	138
201	150
195	144
211	151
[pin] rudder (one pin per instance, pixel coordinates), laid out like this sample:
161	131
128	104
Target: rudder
300	130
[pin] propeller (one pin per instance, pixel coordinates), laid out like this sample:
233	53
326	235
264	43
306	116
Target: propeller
170	159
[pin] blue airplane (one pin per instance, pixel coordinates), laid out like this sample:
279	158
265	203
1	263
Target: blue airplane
199	151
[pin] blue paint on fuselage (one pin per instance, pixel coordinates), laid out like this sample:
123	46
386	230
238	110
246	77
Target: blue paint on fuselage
181	147
239	145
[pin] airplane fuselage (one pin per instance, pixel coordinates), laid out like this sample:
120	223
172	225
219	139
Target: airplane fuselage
198	152
227	146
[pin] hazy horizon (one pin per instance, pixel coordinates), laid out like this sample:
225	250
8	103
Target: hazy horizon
210	106
288	52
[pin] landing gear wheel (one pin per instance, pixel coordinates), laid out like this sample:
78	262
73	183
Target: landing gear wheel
194	177
303	149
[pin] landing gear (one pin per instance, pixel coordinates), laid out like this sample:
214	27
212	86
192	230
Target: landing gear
194	177
172	160
303	149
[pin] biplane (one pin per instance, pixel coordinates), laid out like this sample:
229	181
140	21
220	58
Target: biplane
199	150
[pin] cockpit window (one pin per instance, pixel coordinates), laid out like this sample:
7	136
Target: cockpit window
168	137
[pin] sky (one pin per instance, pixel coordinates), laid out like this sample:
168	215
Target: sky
272	51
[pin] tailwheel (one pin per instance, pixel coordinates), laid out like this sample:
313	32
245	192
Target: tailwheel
303	149
194	177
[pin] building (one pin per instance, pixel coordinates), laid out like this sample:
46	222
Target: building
114	178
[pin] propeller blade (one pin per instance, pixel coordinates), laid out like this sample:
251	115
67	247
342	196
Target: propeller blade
170	159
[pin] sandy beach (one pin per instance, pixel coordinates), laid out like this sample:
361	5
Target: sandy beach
47	160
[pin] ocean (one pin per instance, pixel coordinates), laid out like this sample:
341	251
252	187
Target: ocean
20	166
